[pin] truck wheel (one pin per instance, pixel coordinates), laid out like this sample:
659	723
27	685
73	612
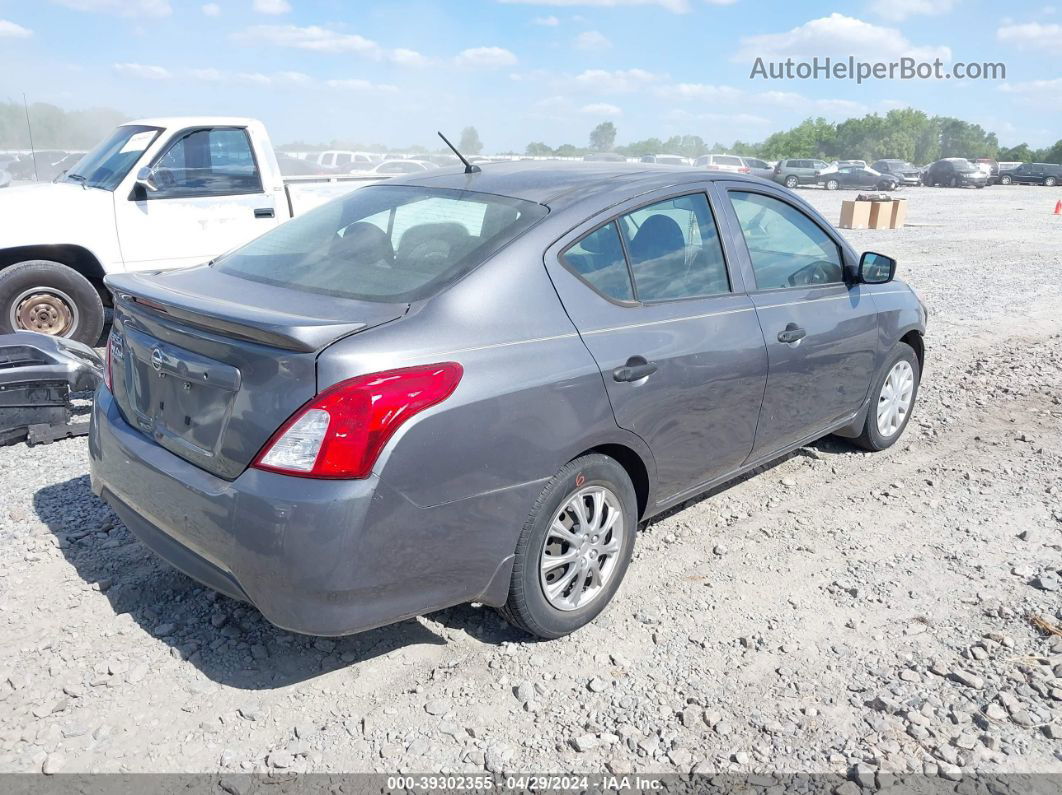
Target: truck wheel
50	298
1005	180
1050	182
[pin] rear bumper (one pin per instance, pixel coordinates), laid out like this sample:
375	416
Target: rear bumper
320	557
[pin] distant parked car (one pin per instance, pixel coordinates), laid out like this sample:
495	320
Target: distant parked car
905	172
858	177
344	161
731	163
65	164
954	172
24	168
758	168
1049	174
604	157
392	167
666	160
793	172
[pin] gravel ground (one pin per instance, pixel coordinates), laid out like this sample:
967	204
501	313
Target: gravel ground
838	612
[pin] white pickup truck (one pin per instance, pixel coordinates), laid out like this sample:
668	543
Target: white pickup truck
155	194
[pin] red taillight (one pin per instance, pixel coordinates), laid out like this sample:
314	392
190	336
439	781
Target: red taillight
340	433
745	170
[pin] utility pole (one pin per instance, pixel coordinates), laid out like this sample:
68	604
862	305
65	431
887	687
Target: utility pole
29	127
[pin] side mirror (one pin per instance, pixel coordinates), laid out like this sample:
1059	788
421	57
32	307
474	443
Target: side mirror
876	268
146	177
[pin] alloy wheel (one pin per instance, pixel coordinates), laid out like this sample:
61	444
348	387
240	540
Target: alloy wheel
894	402
581	548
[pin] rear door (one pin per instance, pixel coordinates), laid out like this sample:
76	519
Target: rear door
821	332
210	199
677	340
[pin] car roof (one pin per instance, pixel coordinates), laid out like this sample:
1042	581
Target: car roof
556	183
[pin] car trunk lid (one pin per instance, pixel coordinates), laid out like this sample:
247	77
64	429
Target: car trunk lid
209	365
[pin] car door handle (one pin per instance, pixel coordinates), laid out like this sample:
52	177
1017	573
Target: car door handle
264	212
635	369
792	333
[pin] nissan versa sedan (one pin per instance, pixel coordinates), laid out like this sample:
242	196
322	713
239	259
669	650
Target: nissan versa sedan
474	386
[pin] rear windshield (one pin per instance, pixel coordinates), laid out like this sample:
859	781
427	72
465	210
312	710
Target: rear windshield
384	243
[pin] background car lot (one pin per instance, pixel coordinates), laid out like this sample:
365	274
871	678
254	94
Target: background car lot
878	619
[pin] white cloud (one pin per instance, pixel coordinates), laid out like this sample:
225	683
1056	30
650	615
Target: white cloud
621	81
839	36
144	71
123	8
486	57
272	6
592	40
600	109
312	37
255	78
546	22
792	100
899	10
12	31
406	57
211	9
1031	34
363	86
699	91
1035	89
675	6
208	75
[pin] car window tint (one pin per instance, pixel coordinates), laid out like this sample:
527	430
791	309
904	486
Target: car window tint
208	163
753	163
786	247
675	250
598	258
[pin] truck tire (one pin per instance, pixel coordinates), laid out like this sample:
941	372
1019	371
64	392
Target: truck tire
50	298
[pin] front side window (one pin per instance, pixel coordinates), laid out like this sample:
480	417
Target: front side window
786	247
384	243
216	162
106	165
675	250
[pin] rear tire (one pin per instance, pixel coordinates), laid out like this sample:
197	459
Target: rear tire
832	184
1050	182
1005	180
50	298
554	615
883	427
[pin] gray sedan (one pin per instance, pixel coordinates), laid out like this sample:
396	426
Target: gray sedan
474	387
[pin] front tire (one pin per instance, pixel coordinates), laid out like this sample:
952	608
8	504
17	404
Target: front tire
49	298
1005	180
832	184
791	182
574	548
1050	182
892	399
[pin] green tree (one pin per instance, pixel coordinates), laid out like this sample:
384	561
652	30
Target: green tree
538	149
603	137
1050	155
1021	153
470	143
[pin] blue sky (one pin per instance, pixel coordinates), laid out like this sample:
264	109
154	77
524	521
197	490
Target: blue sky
521	70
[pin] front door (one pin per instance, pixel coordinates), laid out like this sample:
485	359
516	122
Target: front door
676	339
821	332
209	199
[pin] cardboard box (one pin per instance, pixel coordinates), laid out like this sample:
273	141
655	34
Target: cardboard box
899	213
854	215
880	215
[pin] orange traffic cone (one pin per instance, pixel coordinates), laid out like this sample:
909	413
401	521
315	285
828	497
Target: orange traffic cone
1058	207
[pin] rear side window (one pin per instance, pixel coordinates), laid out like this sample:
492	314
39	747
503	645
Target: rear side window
675	250
215	162
384	243
786	247
672	248
598	259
